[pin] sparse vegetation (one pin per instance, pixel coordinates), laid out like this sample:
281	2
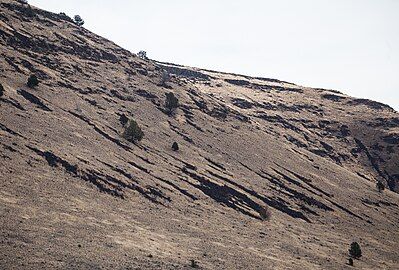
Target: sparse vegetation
78	20
1	90
350	261
194	264
123	119
355	251
171	102
33	81
66	17
164	79
28	11
380	186
133	132
142	55
265	213
175	146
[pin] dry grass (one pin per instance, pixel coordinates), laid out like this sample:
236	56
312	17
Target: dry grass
75	195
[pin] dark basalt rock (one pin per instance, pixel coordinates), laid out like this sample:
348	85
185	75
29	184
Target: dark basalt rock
370	103
345	130
333	97
238	82
242	103
33	99
182	72
391	139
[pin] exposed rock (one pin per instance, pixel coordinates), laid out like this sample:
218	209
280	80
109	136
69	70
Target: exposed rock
332	97
242	103
370	103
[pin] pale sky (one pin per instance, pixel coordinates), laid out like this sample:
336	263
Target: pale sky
348	45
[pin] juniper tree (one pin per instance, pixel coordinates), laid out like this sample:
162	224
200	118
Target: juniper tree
29	11
133	132
164	79
78	20
33	81
142	55
123	119
171	102
175	146
380	186
355	251
194	264
265	213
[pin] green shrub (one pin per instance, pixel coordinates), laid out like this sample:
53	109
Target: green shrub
171	102
175	146
265	213
194	264
165	77
133	132
380	186
142	55
355	251
29	11
78	20
350	261
33	81
64	16
123	119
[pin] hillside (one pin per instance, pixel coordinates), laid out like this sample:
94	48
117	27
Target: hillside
74	194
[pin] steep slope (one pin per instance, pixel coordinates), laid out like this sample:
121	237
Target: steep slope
75	194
